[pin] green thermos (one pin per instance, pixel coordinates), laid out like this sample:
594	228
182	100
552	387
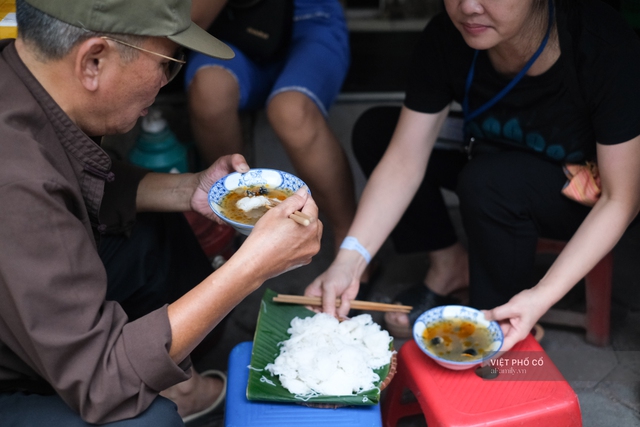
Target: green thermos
157	147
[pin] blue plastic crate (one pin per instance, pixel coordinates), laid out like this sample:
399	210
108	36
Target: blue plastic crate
240	412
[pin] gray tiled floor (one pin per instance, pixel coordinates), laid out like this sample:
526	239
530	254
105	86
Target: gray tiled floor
606	380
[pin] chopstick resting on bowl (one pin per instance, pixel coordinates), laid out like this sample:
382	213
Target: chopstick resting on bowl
297	216
355	304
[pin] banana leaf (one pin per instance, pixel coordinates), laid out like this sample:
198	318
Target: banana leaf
274	320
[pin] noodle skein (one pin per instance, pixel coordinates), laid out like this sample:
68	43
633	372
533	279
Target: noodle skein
326	357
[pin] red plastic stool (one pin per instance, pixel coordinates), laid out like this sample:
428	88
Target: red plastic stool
521	395
598	284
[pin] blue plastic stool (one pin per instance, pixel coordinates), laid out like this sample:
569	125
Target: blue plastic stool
240	412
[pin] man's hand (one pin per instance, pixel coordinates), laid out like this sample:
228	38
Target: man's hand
277	243
205	179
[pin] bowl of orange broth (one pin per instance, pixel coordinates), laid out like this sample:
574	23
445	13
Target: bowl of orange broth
230	194
457	337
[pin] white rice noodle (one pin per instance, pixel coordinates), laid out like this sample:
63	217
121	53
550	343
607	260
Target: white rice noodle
250	203
331	358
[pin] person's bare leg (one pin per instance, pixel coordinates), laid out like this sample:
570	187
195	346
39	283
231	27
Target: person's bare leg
317	157
448	272
195	394
214	97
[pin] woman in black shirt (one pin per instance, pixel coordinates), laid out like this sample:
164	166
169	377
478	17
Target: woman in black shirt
541	85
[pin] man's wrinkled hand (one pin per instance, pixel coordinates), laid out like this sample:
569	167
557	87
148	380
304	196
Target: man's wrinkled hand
205	180
277	243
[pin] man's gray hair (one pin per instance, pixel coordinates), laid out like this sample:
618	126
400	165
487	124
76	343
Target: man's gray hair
54	39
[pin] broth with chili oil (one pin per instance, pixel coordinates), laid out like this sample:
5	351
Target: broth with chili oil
233	212
458	340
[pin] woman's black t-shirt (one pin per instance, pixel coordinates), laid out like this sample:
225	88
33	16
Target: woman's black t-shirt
591	94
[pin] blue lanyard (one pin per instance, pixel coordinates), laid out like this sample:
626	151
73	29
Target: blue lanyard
470	115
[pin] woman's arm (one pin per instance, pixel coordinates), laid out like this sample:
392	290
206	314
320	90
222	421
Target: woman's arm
619	167
387	195
396	178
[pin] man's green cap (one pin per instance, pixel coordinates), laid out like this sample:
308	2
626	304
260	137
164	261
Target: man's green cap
159	18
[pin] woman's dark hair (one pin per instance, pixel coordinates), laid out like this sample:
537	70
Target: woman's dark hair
541	4
566	5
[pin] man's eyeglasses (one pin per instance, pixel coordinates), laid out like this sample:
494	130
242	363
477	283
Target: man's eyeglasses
171	69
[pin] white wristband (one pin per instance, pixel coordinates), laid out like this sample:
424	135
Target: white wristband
352	244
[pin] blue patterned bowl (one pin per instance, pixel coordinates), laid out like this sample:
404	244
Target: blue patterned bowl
472	315
270	178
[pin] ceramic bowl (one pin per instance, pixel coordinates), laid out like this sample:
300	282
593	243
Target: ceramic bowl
438	314
270	178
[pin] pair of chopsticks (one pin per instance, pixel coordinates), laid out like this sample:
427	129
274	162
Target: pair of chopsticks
297	216
355	304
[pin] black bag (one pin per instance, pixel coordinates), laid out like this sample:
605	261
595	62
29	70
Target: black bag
259	28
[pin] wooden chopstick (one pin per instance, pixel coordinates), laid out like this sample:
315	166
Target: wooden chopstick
301	218
297	216
355	304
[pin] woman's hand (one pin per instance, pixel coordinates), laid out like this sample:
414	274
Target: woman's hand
518	317
205	179
340	280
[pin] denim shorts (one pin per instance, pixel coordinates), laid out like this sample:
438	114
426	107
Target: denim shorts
316	63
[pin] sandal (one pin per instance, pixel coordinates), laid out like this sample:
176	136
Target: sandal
422	299
218	403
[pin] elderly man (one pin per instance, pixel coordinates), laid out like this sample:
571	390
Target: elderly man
74	350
